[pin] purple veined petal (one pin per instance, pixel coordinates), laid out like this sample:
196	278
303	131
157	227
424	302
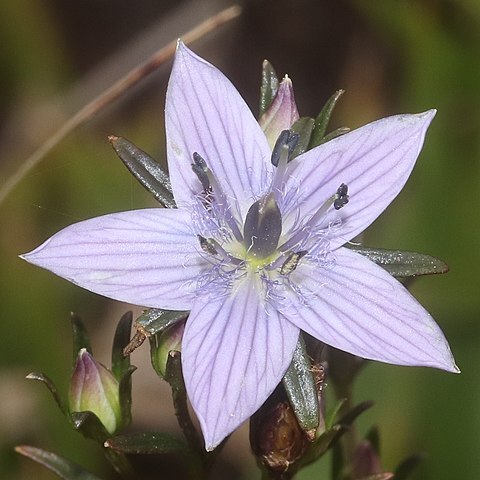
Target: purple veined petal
374	161
281	114
358	307
145	257
235	351
206	114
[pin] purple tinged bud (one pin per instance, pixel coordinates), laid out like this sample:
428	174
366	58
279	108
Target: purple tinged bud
282	114
94	388
366	461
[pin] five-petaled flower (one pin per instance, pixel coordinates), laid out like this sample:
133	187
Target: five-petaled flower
255	248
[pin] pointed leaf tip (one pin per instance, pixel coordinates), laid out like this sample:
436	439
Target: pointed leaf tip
61	466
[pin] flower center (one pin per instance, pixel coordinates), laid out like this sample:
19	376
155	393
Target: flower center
257	248
262	228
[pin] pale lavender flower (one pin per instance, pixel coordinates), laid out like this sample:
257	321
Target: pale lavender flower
255	250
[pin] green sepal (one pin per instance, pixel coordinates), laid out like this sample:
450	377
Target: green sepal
89	425
336	133
145	169
174	376
155	320
323	119
147	443
405	469
61	466
268	88
120	362
354	413
332	416
299	384
41	377
125	394
400	263
80	336
332	434
154	341
319	447
304	127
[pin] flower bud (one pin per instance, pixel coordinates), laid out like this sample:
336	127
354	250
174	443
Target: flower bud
169	340
366	462
281	114
94	388
275	435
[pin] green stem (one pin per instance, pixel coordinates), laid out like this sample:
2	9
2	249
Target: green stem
120	463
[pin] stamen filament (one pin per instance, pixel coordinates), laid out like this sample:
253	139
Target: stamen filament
208	180
338	200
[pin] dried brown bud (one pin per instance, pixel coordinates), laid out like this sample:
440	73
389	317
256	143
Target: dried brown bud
275	435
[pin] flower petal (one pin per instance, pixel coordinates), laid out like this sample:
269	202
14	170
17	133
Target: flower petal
281	114
374	161
206	114
144	257
235	351
358	307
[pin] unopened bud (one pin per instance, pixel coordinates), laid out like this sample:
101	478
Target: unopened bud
94	388
276	437
167	341
281	114
366	461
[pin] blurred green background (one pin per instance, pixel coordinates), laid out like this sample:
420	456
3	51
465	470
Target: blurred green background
391	56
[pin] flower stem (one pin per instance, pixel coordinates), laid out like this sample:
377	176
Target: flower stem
120	463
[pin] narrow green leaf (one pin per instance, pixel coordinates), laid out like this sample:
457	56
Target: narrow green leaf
125	393
41	377
90	426
147	443
299	384
304	127
80	336
61	466
121	363
405	469
145	169
319	447
401	263
269	86
156	320
174	377
323	119
336	133
354	413
332	416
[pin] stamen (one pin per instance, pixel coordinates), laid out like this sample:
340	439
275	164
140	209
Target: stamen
339	199
207	245
199	167
281	155
287	138
212	247
212	187
292	262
